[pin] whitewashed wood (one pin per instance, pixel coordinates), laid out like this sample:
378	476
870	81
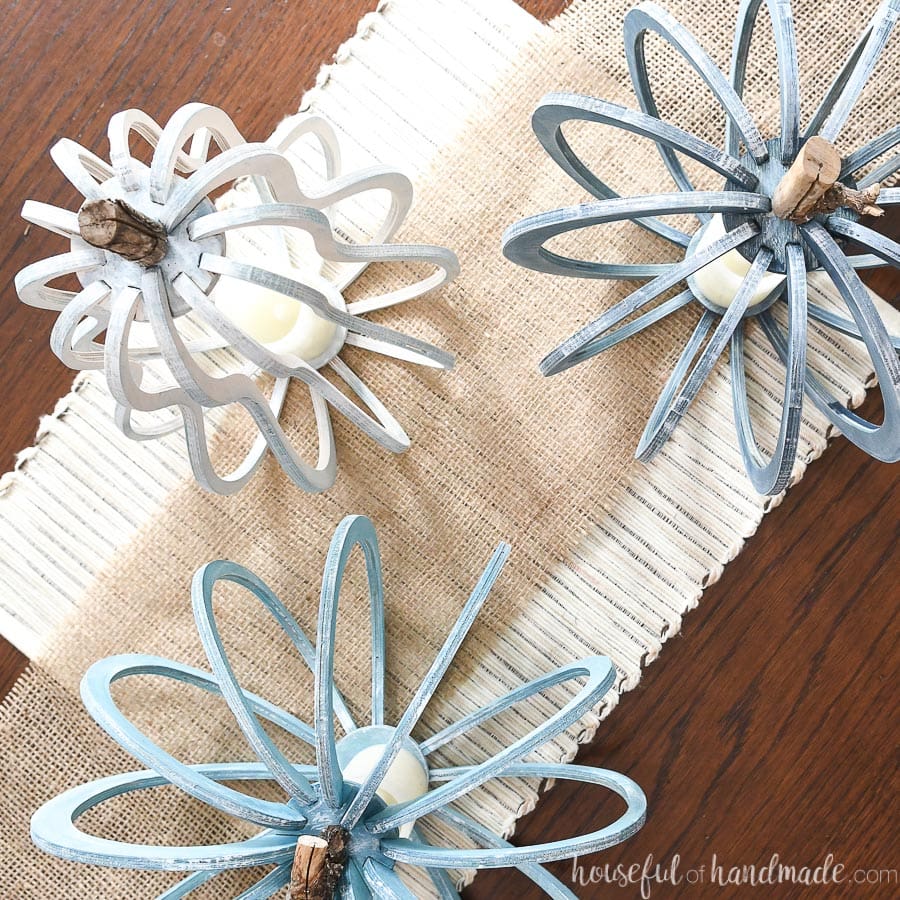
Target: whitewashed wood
120	289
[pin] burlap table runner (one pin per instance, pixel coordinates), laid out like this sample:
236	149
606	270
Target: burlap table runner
498	453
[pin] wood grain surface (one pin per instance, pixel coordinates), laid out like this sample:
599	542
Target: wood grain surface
769	726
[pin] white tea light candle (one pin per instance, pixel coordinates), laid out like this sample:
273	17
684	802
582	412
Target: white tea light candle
406	779
282	324
720	280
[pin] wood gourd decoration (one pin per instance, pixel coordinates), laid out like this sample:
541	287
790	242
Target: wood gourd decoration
352	815
787	206
149	250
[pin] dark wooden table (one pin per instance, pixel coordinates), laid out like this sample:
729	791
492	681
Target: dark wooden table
769	725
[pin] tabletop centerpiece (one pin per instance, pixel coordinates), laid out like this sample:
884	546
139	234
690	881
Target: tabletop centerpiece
787	206
151	253
352	816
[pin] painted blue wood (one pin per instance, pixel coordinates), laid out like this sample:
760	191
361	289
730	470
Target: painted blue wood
650	17
835	109
777	469
319	795
870	152
788	73
751	176
626	825
689	376
524	242
881	441
581	345
481	835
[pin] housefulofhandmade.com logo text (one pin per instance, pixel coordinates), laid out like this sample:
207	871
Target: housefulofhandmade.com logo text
650	873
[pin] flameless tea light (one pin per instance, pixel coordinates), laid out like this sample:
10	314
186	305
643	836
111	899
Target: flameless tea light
352	816
786	207
152	253
718	283
284	326
406	778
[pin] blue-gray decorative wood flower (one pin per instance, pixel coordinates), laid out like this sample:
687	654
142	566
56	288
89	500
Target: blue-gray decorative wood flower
773	252
368	787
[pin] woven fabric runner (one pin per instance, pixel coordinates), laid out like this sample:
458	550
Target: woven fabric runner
608	554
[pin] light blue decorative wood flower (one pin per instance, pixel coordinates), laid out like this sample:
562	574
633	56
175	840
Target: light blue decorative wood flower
351	816
776	218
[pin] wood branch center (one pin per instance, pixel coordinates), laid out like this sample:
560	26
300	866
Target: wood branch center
810	187
114	225
319	863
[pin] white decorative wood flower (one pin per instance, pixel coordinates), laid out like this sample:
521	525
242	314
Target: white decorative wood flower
149	250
